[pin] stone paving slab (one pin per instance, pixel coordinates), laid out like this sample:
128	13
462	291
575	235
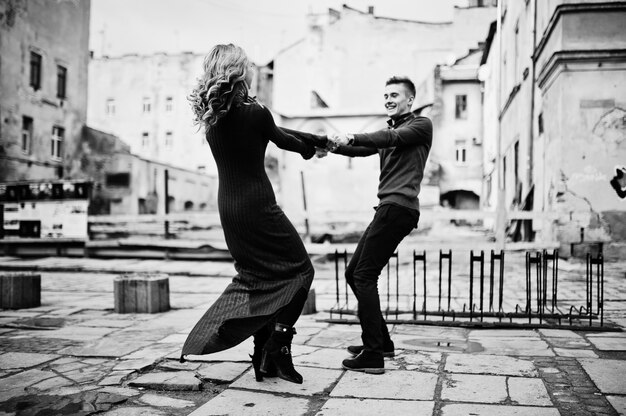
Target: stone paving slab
321	357
559	333
608	375
567	352
154	352
434	344
609	343
375	407
526	346
75	333
499	410
161	401
474	388
115	378
317	380
107	347
137	364
246	403
180	381
136	411
393	384
423	361
223	372
12	360
239	353
493	364
528	391
618	403
337	338
107	323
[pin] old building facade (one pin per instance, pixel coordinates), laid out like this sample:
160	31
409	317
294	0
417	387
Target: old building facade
142	99
561	118
43	78
454	96
333	80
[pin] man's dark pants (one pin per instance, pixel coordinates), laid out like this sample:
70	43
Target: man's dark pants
390	225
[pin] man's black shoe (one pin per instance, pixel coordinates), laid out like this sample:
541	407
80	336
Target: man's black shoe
366	362
388	350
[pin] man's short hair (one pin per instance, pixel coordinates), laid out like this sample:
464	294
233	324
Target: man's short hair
408	84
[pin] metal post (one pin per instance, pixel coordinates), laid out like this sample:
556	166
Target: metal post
167	203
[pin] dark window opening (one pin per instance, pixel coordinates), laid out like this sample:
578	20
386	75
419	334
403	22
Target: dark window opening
121	179
61	82
35	70
461	107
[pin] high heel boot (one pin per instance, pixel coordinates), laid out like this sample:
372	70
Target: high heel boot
277	351
260	339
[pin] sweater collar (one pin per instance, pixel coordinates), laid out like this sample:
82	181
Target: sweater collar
400	120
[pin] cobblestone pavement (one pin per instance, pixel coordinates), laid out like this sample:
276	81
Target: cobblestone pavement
74	355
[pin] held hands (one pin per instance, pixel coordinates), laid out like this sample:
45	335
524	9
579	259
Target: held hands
334	141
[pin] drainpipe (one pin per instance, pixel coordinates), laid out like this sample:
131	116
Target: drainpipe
500	210
531	144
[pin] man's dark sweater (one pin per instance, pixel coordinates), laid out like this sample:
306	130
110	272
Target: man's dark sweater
403	148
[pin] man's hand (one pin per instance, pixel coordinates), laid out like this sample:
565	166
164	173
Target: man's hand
321	152
340	139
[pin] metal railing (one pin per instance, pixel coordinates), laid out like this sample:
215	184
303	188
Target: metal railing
492	300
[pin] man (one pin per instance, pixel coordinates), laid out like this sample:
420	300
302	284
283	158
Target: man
403	149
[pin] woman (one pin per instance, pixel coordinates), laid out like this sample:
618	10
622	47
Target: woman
274	272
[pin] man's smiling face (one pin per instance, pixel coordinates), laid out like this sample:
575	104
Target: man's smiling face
398	100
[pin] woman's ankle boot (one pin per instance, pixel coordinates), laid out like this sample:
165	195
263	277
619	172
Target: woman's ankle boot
260	339
277	351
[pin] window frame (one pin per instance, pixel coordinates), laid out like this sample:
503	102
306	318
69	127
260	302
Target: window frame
27	134
56	142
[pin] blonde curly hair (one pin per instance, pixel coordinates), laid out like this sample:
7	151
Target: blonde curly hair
222	85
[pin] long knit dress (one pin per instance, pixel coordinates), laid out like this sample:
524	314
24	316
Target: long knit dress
270	259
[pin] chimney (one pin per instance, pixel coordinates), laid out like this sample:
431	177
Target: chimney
370	10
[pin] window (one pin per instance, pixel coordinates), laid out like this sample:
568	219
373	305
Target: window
56	146
27	134
461	107
461	151
109	107
145	139
35	70
118	179
61	82
168	139
169	104
147	104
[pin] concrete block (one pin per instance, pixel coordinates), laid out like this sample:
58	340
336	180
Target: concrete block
141	293
20	290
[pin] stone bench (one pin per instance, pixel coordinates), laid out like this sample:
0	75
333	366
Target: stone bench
20	290
142	293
